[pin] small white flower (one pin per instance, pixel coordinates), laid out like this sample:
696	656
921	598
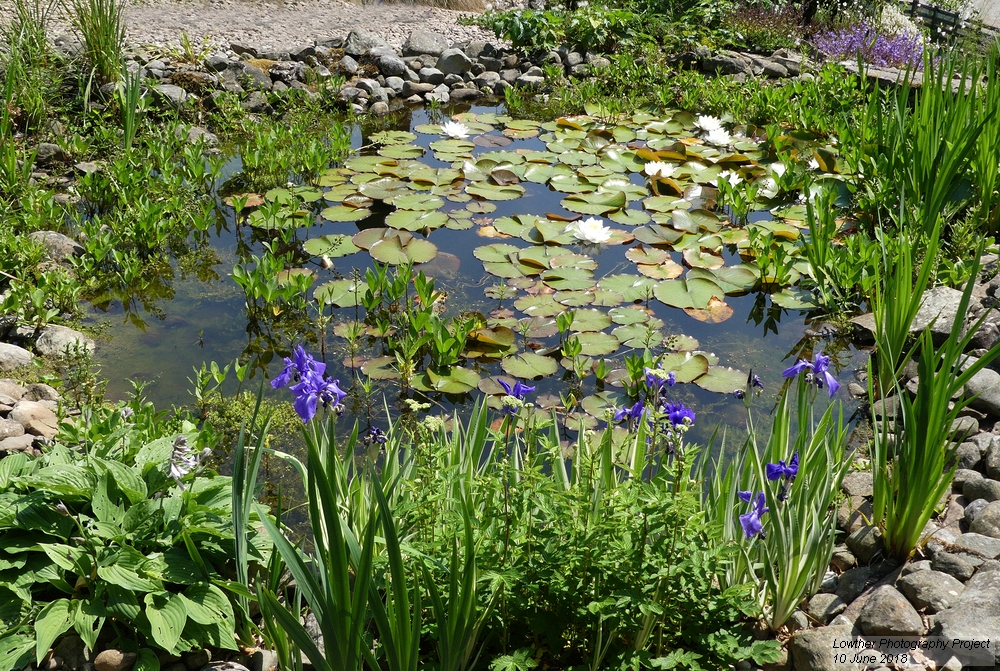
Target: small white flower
719	137
728	176
455	130
708	123
591	229
658	169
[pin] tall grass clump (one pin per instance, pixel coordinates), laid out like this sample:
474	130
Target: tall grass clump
101	24
28	63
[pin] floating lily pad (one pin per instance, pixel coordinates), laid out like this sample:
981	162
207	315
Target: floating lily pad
568	279
529	365
657	235
589	320
688	294
597	343
631	287
494	192
680	343
414	220
491	141
685	366
333	246
574	299
628	315
639	335
399	250
417	201
454	381
722	380
699	258
596	203
628	217
402	151
715	312
339	293
392	137
794	298
540	305
667	270
597	405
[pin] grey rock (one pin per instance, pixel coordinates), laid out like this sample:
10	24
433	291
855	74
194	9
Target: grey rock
985	440
197	659
937	310
367	85
264	660
887	407
452	79
843	559
395	83
464	94
987	522
453	61
973	509
992	458
888	613
47	153
534	71
350	94
813	649
968	455
853	582
487	79
490	63
984	546
243	49
431	76
12	388
824	607
853	513
70	47
422	42
963	427
411	88
379	108
331	43
252	78
954	565
58	340
865	543
10	429
379	95
302	54
170	96
73	652
477	48
114	660
725	64
913	567
411	76
962	476
39	391
388	63
528	81
13	357
977	613
347	66
36	419
932	591
286	72
596	61
797	620
17	443
984	386
510	76
829	584
256	102
196	134
982	489
442	97
858	483
58	247
359	42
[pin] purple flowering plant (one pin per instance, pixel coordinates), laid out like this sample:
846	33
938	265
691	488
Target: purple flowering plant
817	371
865	41
311	385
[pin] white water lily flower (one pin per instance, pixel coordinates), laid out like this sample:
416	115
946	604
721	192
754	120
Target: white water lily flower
728	176
659	169
768	187
719	137
708	123
591	229
455	130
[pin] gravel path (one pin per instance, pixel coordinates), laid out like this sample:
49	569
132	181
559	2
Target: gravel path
281	25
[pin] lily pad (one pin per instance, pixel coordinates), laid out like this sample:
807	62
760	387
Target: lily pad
540	305
631	287
414	220
529	365
597	343
339	293
455	380
688	294
488	191
399	250
680	343
638	335
392	137
597	405
715	312
685	366
722	380
567	279
794	298
402	151
333	246
628	315
381	368
417	201
667	270
589	320
596	203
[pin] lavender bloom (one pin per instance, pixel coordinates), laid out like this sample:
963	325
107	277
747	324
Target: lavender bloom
756	382
818	372
376	435
780	470
657	381
679	414
897	50
182	461
750	521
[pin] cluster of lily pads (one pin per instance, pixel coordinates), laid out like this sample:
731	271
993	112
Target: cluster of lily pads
650	182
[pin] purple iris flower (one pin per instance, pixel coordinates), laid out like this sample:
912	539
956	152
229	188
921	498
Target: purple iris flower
518	391
300	364
750	521
656	382
311	385
756	382
818	369
634	413
376	435
780	470
679	414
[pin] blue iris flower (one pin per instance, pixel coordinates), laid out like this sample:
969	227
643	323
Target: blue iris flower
518	391
634	413
679	414
750	521
819	369
780	470
311	384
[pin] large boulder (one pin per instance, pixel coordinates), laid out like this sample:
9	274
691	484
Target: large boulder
12	356
976	615
938	310
816	649
58	340
453	62
422	42
359	42
888	613
37	419
987	522
58	247
931	590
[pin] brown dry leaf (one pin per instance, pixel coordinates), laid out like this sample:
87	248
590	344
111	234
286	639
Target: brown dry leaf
716	312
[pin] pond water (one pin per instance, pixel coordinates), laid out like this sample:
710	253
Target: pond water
206	317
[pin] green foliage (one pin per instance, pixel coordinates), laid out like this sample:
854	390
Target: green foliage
587	29
100	539
101	24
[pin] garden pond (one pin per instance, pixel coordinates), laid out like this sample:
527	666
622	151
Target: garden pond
696	257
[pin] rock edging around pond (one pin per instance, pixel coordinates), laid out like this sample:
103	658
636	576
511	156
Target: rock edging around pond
379	78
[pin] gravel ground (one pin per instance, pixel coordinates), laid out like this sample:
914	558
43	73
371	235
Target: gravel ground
278	25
